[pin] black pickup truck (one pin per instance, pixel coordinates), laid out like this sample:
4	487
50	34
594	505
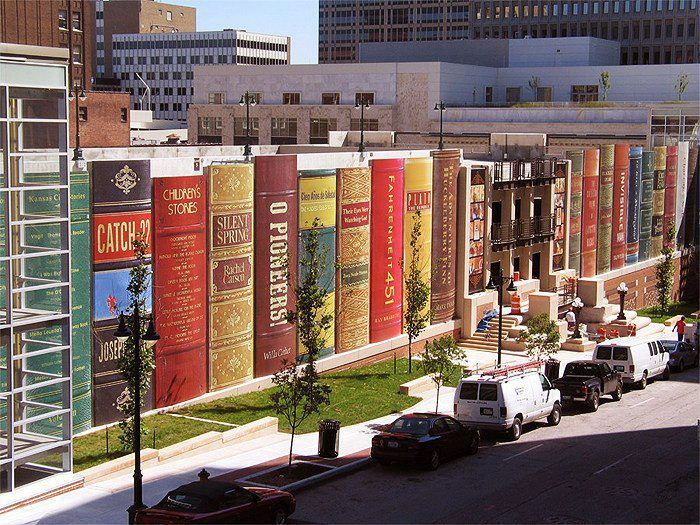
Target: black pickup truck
586	381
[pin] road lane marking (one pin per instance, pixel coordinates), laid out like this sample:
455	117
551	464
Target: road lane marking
613	464
523	452
642	402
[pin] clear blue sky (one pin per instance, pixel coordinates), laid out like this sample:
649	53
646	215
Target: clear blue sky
295	18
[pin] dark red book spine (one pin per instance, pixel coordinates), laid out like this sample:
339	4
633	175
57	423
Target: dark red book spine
444	242
589	214
386	251
618	245
276	231
670	191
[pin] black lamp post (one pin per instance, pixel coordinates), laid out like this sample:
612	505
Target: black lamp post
149	339
622	290
577	305
78	95
440	106
362	105
496	282
247	100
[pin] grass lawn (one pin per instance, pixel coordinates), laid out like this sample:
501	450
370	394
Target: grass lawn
654	312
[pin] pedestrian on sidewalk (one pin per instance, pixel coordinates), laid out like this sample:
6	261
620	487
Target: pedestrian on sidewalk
680	327
571	319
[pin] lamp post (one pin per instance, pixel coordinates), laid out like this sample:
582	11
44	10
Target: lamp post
149	339
496	282
247	100
440	106
362	105
577	304
78	95
622	290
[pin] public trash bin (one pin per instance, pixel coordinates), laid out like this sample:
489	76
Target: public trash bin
551	369
328	438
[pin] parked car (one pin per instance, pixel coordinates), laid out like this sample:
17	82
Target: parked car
507	398
208	501
638	360
588	380
681	354
425	439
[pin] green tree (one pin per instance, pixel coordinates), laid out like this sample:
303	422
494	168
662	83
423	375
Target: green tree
139	279
439	361
605	83
533	84
417	313
681	85
665	269
542	338
298	393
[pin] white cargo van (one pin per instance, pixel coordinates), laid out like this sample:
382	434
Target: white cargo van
506	398
637	359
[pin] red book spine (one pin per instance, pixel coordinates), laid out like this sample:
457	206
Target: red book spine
670	191
618	243
589	216
386	234
180	288
444	241
276	230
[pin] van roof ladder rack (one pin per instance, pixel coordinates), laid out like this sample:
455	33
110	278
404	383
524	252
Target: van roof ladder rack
507	371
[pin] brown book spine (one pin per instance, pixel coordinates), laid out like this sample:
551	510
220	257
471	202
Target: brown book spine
670	192
589	217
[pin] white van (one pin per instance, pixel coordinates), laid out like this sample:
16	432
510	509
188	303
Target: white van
637	359
506	398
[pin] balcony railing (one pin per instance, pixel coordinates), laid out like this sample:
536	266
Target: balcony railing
503	232
522	230
525	171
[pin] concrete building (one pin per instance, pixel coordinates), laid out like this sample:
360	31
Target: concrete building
342	25
166	62
649	31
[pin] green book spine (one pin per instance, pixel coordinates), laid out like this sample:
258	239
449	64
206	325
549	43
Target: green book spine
605	205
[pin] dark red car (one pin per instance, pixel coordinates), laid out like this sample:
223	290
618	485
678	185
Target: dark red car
424	439
220	502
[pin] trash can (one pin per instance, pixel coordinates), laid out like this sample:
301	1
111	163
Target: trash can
328	438
551	369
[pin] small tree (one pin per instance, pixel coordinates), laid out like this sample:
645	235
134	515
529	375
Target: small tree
665	270
605	83
298	393
541	338
534	83
417	314
139	278
681	85
439	361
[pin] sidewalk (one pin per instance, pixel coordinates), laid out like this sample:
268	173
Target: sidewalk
107	501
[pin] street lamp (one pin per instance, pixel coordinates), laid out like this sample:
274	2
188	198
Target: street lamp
622	290
440	106
496	282
77	94
577	305
362	105
149	339
247	100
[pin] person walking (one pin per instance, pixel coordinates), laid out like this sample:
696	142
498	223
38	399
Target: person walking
680	327
571	319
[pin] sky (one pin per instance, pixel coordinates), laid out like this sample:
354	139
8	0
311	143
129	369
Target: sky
295	18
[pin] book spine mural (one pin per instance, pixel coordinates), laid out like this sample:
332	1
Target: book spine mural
589	214
657	217
275	235
576	158
418	207
444	241
618	245
633	204
317	196
352	317
386	234
559	169
646	205
180	287
670	192
477	227
121	210
693	183
231	313
681	191
605	207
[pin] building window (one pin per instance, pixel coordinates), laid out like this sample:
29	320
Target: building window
291	98
371	124
169	16
583	93
544	94
330	98
62	19
77	54
123	116
364	98
239	130
164	106
284	130
320	128
77	26
209	130
488	94
82	114
512	95
256	96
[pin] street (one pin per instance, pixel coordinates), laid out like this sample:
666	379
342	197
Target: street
634	461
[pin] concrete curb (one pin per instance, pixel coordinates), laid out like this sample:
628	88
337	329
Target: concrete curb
350	468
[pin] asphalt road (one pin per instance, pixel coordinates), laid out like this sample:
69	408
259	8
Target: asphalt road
634	461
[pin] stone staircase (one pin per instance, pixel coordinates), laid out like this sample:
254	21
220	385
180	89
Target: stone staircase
488	341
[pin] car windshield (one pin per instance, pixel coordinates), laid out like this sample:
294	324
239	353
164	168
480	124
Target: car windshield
581	369
181	501
669	346
603	352
411	425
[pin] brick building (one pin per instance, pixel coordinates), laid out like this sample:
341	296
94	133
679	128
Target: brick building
104	120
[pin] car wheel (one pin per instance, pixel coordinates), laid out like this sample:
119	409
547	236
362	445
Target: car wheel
280	516
667	373
681	366
555	416
594	401
516	430
473	446
617	394
643	383
434	461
